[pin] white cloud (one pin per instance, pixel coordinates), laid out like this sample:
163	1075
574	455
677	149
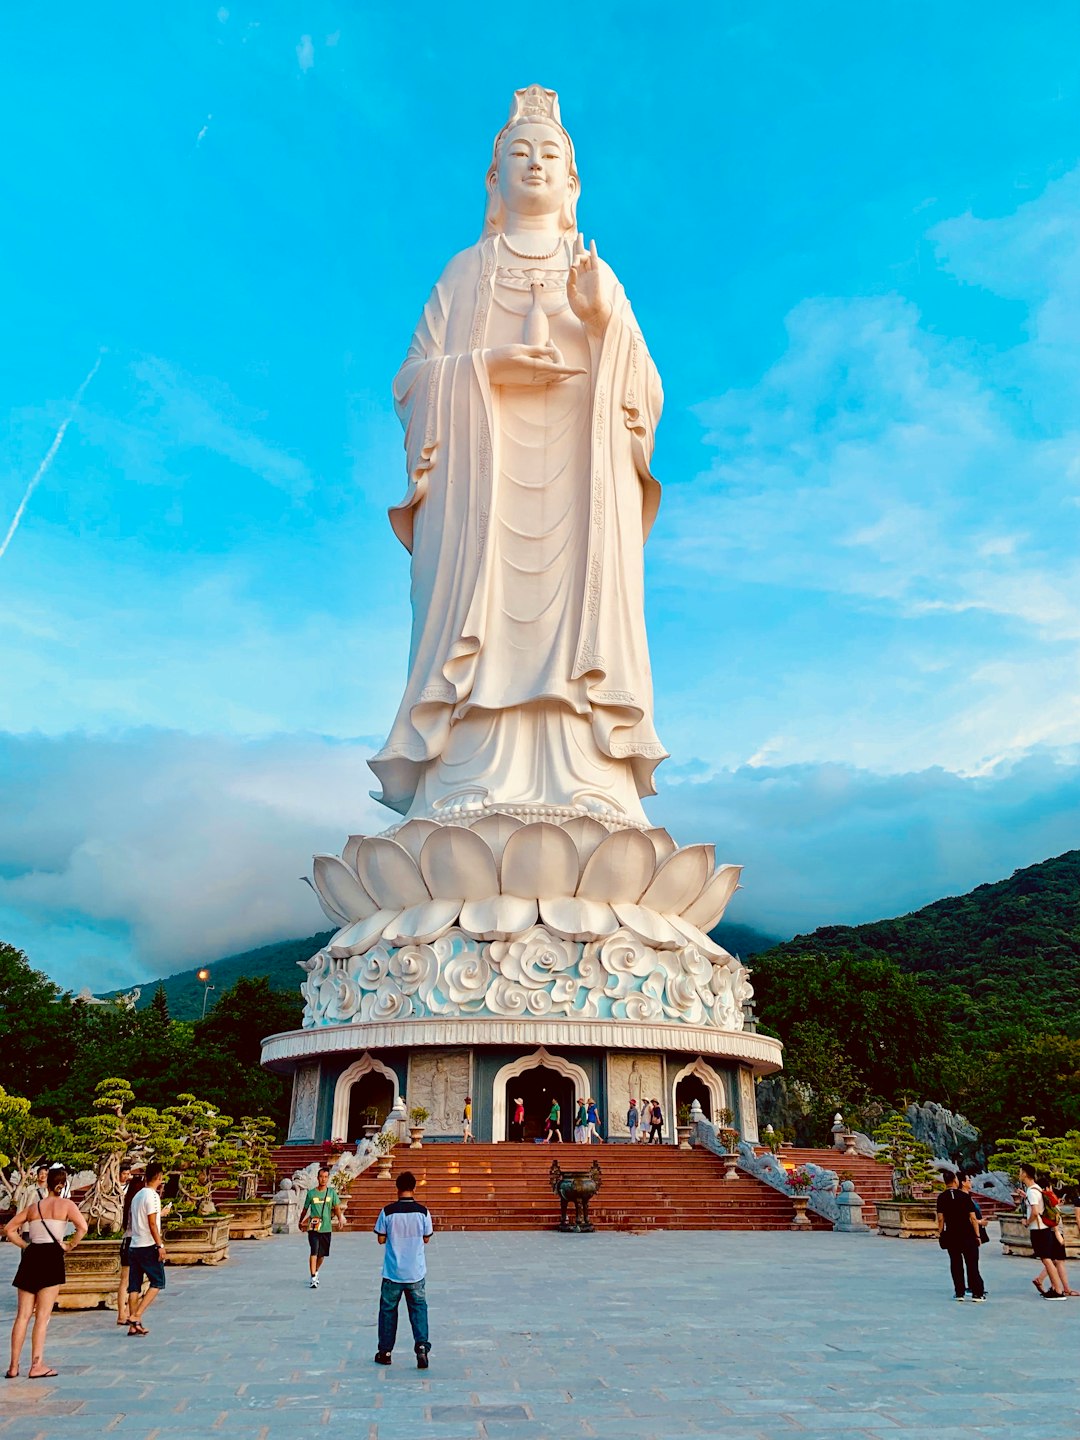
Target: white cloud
305	53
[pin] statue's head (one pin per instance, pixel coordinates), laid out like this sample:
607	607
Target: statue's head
532	169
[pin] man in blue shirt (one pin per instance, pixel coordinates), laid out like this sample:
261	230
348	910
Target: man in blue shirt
404	1228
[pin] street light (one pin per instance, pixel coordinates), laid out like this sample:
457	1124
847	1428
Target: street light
203	977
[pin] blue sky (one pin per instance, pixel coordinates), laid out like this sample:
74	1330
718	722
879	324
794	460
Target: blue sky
852	237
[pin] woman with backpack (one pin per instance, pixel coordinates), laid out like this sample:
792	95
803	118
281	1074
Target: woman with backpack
1043	1216
41	1269
656	1124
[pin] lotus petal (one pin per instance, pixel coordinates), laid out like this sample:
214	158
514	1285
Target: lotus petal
457	864
421	924
361	935
649	926
578	919
412	835
389	872
697	937
352	849
498	917
710	905
586	834
340	888
334	916
619	868
679	880
495	831
663	843
539	860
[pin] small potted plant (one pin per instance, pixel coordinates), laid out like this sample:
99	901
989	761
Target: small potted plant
370	1125
683	1126
726	1131
911	1214
799	1183
384	1144
418	1116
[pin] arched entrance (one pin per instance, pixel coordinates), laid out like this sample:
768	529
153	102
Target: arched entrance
697	1081
538	1079
366	1083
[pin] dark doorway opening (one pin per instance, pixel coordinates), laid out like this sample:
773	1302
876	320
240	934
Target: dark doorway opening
538	1087
372	1092
694	1088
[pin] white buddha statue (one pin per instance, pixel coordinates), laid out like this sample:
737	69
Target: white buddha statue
529	402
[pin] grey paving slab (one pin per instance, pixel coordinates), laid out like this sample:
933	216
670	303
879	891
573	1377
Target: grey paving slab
764	1336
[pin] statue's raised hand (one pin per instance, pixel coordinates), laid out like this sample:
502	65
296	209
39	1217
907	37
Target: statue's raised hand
588	287
527	365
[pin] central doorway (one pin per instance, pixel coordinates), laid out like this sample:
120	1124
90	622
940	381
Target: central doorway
538	1087
370	1102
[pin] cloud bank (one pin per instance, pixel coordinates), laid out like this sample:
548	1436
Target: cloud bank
131	857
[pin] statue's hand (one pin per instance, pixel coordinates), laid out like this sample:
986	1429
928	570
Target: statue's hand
527	365
588	288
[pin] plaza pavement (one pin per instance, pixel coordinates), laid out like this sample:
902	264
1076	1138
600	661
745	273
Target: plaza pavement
666	1335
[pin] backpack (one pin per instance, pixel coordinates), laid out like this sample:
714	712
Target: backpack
1051	1211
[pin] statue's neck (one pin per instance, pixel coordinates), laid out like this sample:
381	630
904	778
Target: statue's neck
518	224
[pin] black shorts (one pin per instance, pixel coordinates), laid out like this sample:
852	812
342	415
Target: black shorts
144	1261
319	1243
41	1266
1047	1244
125	1251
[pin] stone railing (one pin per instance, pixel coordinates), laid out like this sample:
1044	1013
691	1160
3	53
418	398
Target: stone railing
767	1168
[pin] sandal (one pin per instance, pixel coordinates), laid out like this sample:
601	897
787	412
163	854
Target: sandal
1038	1287
45	1375
136	1329
11	1374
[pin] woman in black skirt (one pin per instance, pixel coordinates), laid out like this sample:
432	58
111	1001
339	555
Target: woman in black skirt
41	1269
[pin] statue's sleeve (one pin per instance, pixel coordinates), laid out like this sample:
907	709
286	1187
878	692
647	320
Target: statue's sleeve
626	365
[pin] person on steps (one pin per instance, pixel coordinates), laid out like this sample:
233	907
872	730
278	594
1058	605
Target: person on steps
633	1121
656	1123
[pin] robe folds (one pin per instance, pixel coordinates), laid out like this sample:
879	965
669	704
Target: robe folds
457	427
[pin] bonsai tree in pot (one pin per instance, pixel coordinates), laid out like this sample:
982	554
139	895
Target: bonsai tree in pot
909	1216
1056	1156
725	1129
199	1146
384	1144
418	1118
115	1130
251	1143
27	1141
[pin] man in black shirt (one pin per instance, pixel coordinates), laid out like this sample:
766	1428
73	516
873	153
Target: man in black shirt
958	1233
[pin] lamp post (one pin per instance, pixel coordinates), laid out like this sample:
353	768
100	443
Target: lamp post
203	977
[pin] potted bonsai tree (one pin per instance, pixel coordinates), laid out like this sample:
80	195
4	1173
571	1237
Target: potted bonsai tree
250	1164
370	1126
683	1126
195	1148
911	1214
1057	1157
117	1129
384	1144
418	1117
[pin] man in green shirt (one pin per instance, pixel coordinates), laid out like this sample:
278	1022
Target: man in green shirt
322	1207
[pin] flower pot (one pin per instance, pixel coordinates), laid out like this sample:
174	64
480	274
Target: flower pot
1016	1238
248	1219
908	1219
800	1220
684	1136
416	1137
384	1163
202	1240
731	1165
93	1276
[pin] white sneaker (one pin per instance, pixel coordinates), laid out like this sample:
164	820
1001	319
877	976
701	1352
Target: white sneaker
314	1283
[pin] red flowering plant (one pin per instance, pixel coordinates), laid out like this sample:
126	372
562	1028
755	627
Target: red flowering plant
799	1179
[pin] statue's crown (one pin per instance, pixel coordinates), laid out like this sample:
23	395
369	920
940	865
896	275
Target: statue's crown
534	103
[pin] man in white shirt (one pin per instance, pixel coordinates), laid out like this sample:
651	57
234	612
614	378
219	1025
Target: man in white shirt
404	1228
146	1255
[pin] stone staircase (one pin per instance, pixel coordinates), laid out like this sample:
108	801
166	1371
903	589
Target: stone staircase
506	1187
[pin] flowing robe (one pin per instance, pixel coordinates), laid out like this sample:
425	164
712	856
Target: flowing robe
529	679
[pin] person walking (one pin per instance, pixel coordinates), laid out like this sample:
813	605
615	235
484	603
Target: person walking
656	1123
132	1185
41	1269
322	1206
467	1137
551	1124
592	1123
633	1121
959	1233
581	1116
517	1124
404	1228
146	1254
1046	1243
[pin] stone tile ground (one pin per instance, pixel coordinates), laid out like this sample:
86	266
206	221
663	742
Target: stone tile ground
647	1337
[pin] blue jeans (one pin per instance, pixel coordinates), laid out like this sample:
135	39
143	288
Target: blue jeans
416	1299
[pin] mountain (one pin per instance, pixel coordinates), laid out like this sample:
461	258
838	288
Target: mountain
1005	955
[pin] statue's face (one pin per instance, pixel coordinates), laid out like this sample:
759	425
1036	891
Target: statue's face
534	171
